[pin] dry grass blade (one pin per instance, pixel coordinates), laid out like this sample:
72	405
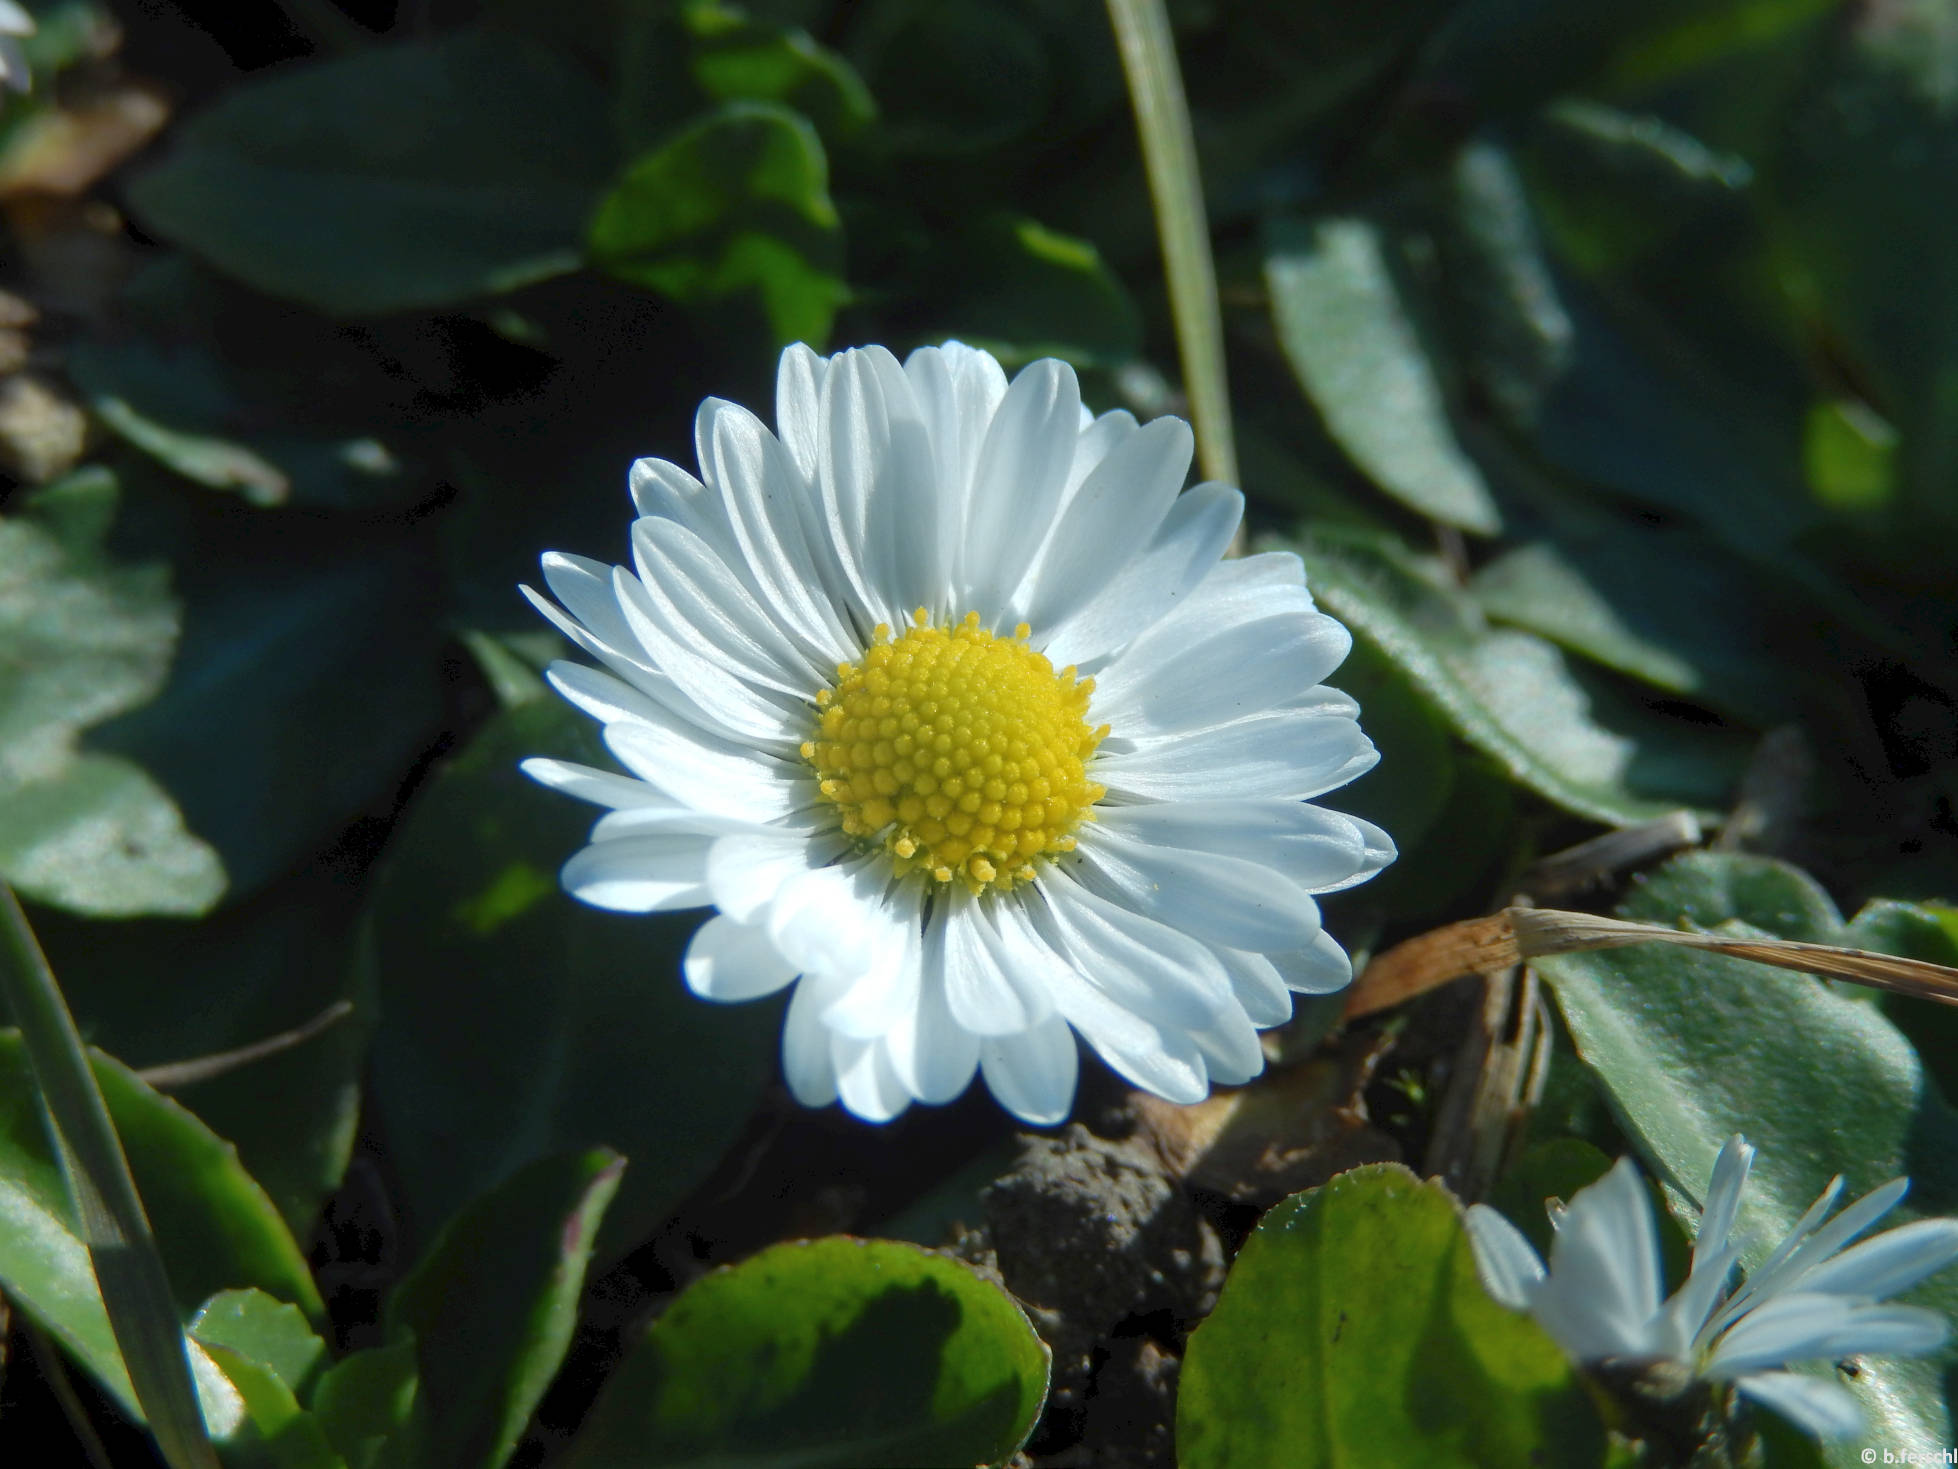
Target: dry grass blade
204	1068
1541	931
1490	945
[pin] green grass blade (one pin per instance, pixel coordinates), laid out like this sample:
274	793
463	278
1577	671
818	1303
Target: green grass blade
128	1269
1169	156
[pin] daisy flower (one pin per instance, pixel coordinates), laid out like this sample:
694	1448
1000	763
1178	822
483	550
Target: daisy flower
1816	1297
949	702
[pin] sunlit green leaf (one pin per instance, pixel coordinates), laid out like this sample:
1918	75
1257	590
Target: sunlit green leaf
1350	339
1558	730
736	205
87	639
271	1332
1353	1326
825	1354
416	173
738	58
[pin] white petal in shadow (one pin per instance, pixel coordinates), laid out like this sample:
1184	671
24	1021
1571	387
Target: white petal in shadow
1819	1408
730	962
1507	1262
1033	1074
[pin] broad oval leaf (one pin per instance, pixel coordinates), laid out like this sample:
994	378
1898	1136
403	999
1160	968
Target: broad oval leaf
1567	734
737	205
86	640
1355	349
405	175
834	1353
576	1032
1693	1047
1353	1330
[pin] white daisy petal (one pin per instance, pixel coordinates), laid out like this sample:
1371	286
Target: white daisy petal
775	525
741	633
799	407
1320	968
890	532
662	490
653	874
866	1082
1256	985
1723	1192
1601	1297
957	391
600	787
883	807
1824	1409
729	961
1893	1261
1018	482
1319	850
1225	900
1033	1073
934	1056
1114	514
1231	1053
1190	541
1274	753
1141	964
979	979
701	770
1801	1326
1507	1262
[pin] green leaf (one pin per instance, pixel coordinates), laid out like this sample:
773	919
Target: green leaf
365	1400
87	639
102	1275
1022	291
492	1306
262	1425
1661	606
737	205
737	58
1849	454
562	1002
308	681
407	175
1354	347
260	969
825	1354
1353	1328
181	405
1564	733
272	1333
957	77
1693	1047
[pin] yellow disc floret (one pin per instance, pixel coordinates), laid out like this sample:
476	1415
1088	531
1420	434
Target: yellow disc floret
963	754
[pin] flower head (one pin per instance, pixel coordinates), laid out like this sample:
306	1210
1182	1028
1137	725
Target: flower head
1816	1297
950	703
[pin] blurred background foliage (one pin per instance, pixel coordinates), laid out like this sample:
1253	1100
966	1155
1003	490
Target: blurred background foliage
1601	360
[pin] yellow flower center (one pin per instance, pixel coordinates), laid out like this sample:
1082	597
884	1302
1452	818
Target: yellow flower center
964	754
